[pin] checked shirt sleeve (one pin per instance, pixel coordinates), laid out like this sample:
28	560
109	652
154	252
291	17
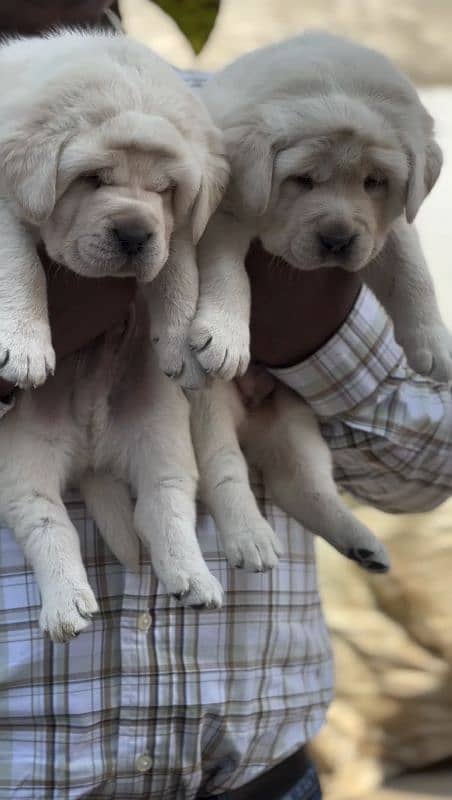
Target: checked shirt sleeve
390	430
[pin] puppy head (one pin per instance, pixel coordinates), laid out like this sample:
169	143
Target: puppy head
108	197
324	178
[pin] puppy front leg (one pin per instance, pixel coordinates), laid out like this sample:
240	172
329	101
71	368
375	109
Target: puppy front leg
283	440
220	333
26	353
163	472
172	298
248	540
400	278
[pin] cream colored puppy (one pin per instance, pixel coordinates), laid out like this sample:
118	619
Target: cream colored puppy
109	158
332	153
106	155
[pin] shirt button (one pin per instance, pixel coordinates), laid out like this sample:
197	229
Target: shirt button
143	762
144	622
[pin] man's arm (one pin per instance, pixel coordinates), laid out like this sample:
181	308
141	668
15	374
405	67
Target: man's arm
81	309
293	313
390	430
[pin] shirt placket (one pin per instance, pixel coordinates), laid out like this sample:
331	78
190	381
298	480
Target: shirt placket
135	749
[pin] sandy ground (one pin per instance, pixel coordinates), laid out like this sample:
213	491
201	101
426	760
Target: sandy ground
410	31
431	785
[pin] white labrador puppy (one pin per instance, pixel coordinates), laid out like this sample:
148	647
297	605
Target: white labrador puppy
332	153
77	112
110	159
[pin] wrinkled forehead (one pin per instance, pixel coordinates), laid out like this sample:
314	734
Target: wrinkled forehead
130	148
347	152
138	167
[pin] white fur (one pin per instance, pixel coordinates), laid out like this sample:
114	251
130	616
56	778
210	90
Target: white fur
322	106
74	104
334	113
107	419
281	438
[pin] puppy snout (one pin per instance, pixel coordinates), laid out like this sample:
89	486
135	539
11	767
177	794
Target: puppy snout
132	237
337	241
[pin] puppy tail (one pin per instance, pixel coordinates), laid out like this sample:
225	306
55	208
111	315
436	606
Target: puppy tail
109	503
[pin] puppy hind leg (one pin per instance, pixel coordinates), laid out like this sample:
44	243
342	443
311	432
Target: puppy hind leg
297	468
164	474
248	540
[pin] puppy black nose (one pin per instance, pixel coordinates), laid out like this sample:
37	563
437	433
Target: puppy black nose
132	238
337	242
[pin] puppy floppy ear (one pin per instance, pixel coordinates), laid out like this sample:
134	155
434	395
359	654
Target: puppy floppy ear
251	152
425	168
201	181
29	155
214	180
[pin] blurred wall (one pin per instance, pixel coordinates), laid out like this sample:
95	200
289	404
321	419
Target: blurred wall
416	33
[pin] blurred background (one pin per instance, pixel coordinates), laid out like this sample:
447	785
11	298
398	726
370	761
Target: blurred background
389	734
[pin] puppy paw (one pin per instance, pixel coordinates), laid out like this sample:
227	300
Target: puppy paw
65	613
177	360
196	588
429	352
373	560
221	344
254	547
26	355
353	539
368	552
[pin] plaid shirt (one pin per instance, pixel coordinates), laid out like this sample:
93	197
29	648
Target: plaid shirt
160	702
390	430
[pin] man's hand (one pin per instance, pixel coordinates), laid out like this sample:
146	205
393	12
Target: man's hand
293	313
81	309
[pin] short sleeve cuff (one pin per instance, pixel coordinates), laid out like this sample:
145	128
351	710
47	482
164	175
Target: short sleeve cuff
349	368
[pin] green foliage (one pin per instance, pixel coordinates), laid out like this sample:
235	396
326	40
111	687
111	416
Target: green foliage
195	18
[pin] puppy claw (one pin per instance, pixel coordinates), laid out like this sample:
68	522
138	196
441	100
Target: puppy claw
178	362
221	345
194	589
27	356
370	560
4	360
253	547
67	611
201	348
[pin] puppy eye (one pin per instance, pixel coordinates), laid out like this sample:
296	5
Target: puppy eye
372	182
94	179
305	181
